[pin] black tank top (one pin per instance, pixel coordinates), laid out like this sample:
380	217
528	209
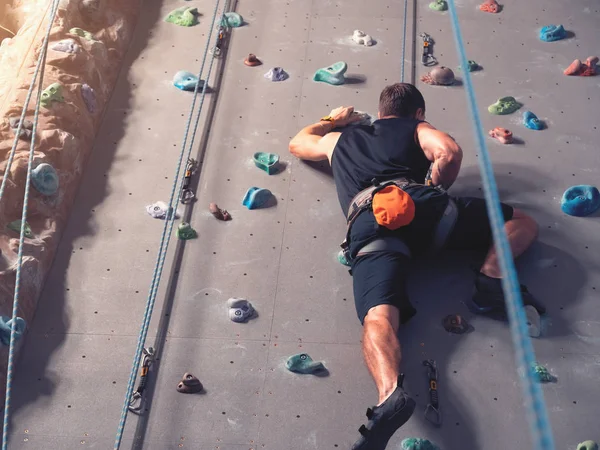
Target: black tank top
385	150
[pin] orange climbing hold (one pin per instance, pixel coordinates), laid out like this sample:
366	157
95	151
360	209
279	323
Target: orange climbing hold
587	69
502	134
490	6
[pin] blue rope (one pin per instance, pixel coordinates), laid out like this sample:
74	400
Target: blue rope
404	41
525	358
14	325
166	233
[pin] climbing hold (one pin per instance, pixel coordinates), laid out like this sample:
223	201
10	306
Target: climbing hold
365	118
82	33
543	375
333	74
438	5
158	210
66	45
276	74
456	324
219	213
240	309
552	33
531	121
342	258
256	197
439	76
362	39
587	445
89	98
252	61
418	444
6	324
591	63
584	70
45	179
16	227
303	363
490	6
575	68
184	16
502	134
266	161
26	129
186	81
52	93
186	232
580	201
232	20
534	321
189	384
504	105
472	66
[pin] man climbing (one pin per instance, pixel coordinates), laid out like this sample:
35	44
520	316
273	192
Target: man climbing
391	179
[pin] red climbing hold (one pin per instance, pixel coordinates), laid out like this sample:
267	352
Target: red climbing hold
219	213
502	134
490	6
587	69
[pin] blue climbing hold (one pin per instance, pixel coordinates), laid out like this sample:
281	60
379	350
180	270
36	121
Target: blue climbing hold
552	33
418	444
531	121
186	81
45	179
6	325
256	197
581	200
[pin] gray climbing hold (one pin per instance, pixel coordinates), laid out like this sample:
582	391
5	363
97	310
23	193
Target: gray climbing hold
66	46
362	38
89	98
45	179
187	81
276	74
333	74
26	129
240	309
232	20
52	93
6	324
303	363
442	76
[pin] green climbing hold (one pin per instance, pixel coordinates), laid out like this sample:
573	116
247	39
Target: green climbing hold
186	232
333	74
472	66
587	445
184	16
418	444
439	5
504	105
302	363
232	20
82	33
52	93
543	375
16	227
266	161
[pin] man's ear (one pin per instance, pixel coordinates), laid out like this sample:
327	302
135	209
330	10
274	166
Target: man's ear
420	114
378	114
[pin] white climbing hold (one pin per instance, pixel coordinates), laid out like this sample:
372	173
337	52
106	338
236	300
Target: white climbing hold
240	309
158	210
66	45
362	39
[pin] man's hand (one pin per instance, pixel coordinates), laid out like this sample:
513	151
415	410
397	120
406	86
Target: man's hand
344	115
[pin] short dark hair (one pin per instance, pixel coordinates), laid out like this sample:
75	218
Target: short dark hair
400	99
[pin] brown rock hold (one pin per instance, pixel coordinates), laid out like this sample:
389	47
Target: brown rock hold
252	61
189	384
219	213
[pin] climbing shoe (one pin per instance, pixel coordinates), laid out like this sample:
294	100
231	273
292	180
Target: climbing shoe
385	419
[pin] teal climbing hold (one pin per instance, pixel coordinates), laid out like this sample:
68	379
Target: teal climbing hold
232	20
184	16
581	200
418	444
587	445
342	258
333	74
266	161
186	232
6	324
52	93
82	33
16	227
187	81
438	5
543	375
45	179
303	363
256	198
504	105
472	66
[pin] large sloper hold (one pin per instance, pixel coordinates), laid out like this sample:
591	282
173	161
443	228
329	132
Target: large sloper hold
333	74
581	200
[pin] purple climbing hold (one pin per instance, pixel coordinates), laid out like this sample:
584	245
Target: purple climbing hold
276	74
89	98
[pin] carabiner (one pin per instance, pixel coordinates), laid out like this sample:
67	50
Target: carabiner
432	411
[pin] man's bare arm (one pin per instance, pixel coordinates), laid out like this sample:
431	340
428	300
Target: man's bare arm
313	142
443	151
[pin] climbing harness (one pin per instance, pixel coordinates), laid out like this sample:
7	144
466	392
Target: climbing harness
39	70
537	413
427	58
187	196
135	405
432	411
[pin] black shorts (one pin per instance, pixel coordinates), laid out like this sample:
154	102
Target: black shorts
380	278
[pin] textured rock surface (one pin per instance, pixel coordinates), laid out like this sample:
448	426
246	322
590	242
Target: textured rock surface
66	131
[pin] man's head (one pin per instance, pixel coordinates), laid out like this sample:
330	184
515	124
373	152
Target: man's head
401	100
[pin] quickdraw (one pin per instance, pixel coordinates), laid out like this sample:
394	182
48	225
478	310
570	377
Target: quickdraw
432	411
135	404
187	196
427	58
216	52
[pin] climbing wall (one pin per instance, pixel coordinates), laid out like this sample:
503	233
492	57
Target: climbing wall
71	380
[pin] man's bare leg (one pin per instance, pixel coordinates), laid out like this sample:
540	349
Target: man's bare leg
381	348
